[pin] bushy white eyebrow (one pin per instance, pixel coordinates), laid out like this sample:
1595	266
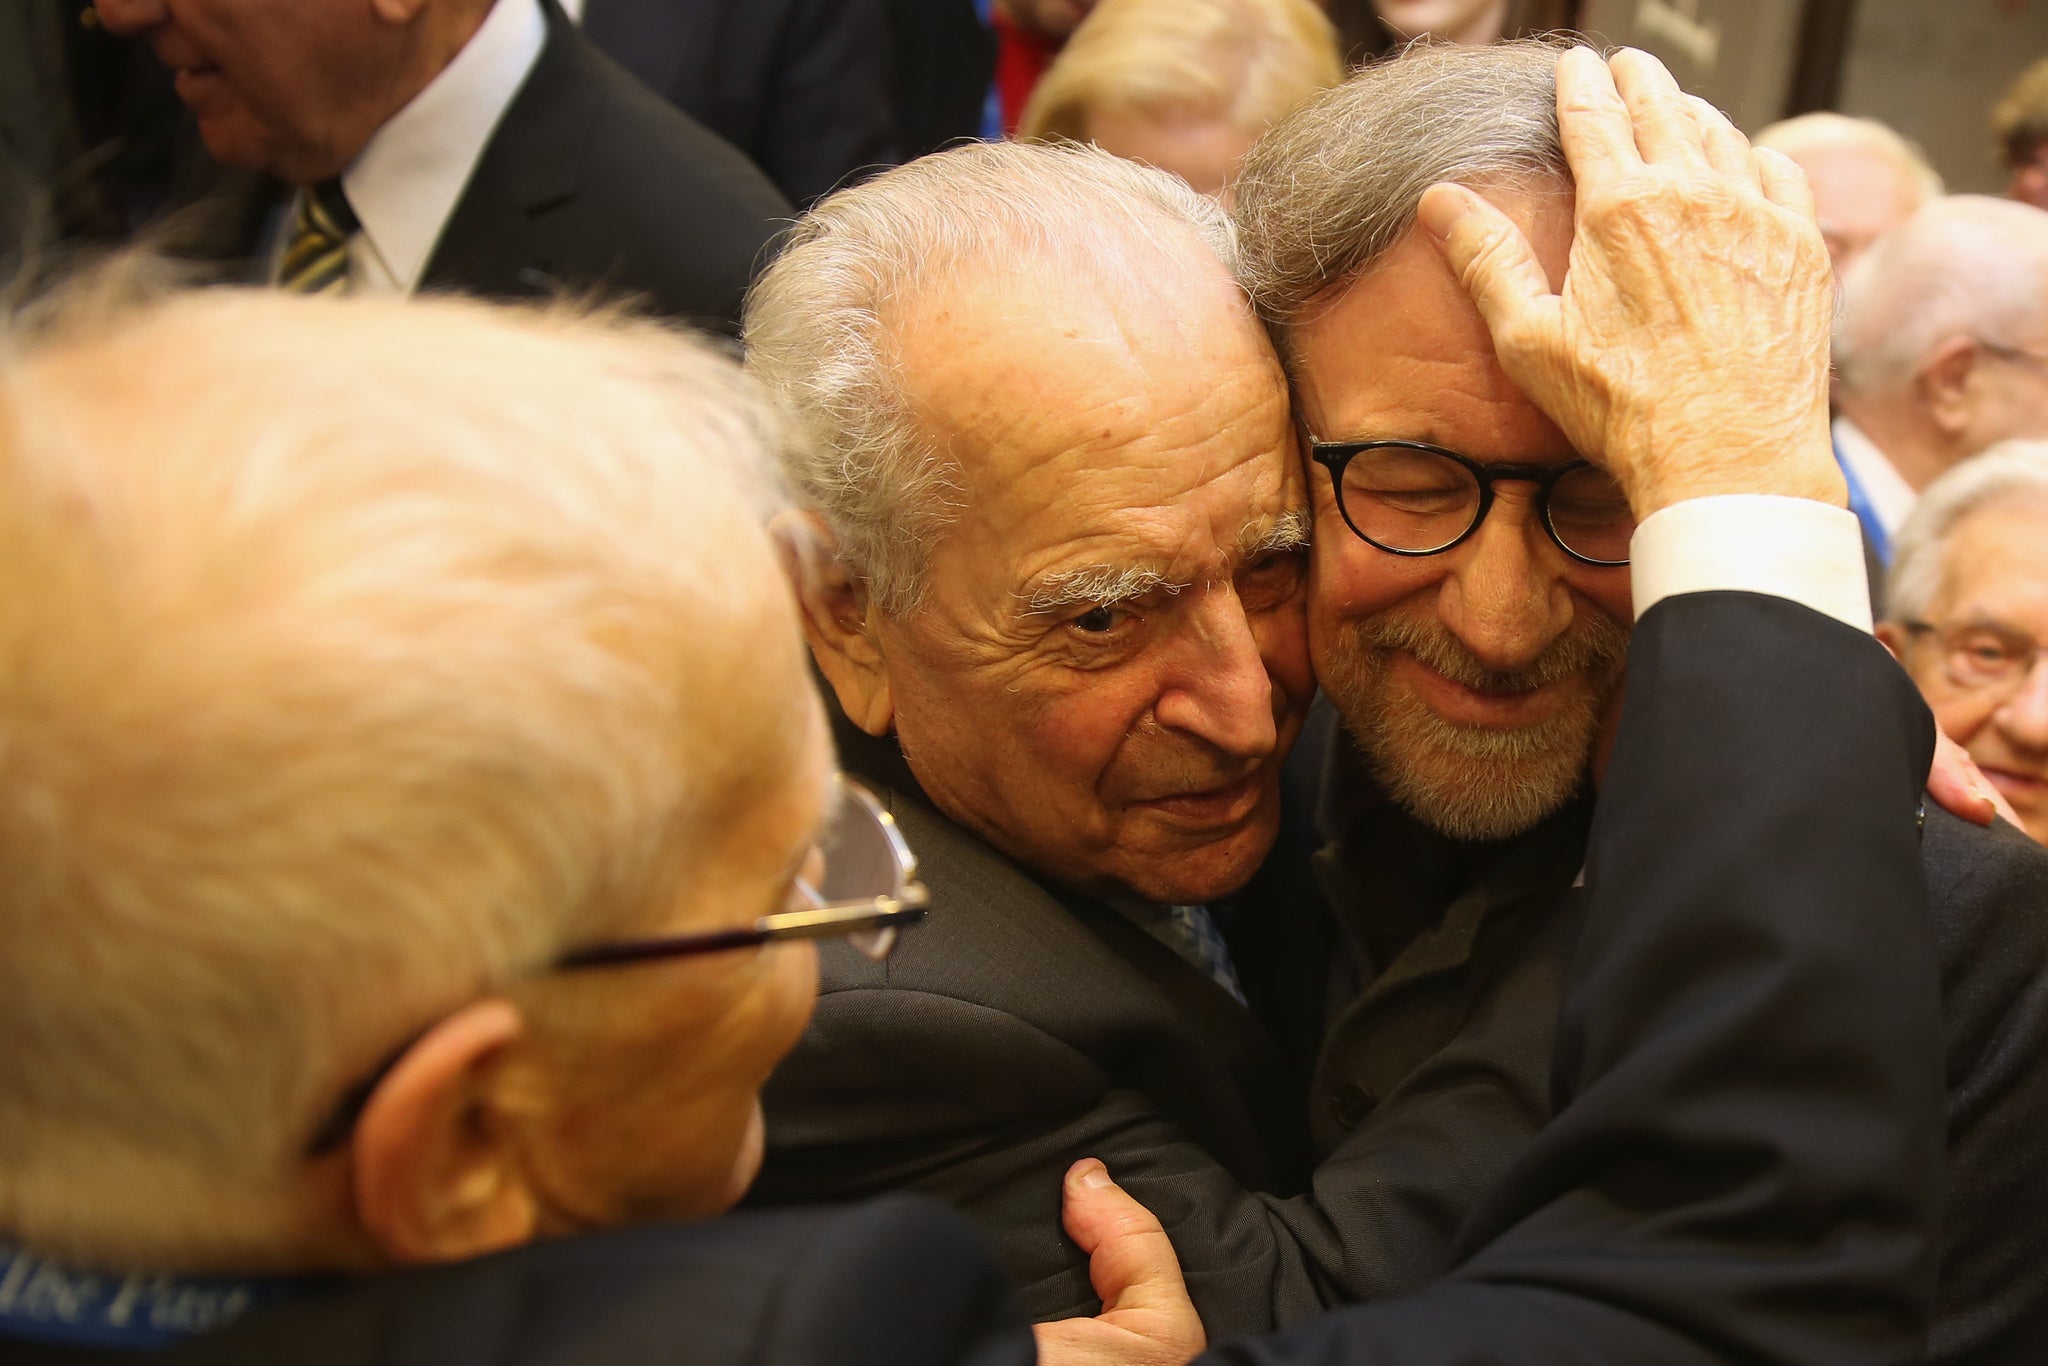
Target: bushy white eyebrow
1105	585
1288	532
1099	585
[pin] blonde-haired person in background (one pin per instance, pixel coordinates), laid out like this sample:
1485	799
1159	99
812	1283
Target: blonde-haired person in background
2020	123
1184	85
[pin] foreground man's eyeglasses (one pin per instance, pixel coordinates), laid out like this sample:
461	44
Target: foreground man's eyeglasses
869	893
1412	498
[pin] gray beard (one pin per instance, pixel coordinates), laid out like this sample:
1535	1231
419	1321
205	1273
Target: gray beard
1473	782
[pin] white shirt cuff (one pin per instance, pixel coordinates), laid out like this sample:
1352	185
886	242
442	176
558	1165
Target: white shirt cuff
1793	548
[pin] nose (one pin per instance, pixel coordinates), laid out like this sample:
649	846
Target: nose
2023	719
1219	690
1504	594
128	17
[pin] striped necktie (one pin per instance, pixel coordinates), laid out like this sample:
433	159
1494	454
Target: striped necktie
1191	932
316	259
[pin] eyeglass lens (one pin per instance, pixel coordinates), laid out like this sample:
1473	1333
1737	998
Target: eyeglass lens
1408	499
864	860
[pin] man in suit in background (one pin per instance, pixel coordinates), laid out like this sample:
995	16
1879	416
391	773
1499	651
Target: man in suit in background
482	146
1468	636
1966	610
1941	349
801	86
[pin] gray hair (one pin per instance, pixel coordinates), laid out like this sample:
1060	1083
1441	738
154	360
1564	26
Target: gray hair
2007	472
818	322
1967	265
1334	185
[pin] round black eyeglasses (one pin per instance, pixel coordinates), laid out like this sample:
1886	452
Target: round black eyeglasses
1412	498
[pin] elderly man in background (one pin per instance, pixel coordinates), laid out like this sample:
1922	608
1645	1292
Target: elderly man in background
1468	613
402	807
483	146
1941	349
1866	179
1966	611
1050	456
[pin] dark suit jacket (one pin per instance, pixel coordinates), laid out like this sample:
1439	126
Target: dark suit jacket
900	1282
1742	1154
1022	1028
592	182
801	86
1453	1037
1009	1040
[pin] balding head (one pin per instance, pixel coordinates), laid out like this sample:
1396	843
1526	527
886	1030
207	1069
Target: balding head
355	660
1866	179
1942	340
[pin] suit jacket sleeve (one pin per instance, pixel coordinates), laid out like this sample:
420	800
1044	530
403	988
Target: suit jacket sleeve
1746	1162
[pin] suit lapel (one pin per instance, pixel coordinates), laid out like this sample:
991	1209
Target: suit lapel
497	242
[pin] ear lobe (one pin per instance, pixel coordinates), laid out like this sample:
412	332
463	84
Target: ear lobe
1894	638
1944	383
839	624
436	1166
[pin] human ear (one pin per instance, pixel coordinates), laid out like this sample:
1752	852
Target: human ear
838	622
1894	637
1944	384
436	1167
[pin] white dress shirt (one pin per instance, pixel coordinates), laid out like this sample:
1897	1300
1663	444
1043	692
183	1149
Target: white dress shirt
1890	496
405	183
1795	548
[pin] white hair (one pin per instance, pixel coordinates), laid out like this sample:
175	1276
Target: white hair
818	322
342	645
1965	265
1823	131
2009	472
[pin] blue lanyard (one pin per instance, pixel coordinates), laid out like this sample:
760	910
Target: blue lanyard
47	1301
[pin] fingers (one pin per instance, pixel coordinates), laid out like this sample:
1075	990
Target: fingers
1658	111
1784	183
1490	256
1961	788
1131	1261
1726	148
1592	121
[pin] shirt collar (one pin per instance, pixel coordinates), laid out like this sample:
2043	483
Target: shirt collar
1891	497
405	184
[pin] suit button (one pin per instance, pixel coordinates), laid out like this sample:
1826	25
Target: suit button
1350	1104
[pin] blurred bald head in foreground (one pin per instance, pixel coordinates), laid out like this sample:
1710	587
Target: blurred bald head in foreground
1866	179
331	727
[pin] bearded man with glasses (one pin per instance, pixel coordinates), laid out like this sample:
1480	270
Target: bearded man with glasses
1474	590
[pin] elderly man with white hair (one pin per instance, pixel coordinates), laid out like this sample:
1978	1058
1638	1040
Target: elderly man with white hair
1966	610
1941	349
1866	179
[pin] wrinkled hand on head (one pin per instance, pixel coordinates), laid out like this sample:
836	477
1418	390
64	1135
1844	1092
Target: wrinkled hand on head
1688	348
1147	1318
